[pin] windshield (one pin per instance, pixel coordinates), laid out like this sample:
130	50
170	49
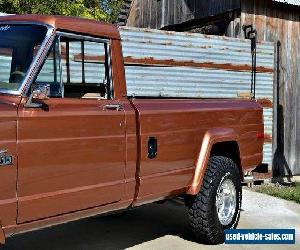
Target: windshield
18	47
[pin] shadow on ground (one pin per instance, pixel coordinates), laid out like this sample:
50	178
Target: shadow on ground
118	231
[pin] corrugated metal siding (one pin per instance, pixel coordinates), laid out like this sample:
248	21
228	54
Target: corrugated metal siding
193	47
185	82
217	67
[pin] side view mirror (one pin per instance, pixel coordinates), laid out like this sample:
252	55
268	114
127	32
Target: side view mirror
39	92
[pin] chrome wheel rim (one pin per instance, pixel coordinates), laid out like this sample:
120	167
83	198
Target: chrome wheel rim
226	202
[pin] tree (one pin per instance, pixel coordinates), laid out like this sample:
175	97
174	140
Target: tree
104	10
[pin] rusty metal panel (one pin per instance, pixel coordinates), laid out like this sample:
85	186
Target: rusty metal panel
188	49
170	64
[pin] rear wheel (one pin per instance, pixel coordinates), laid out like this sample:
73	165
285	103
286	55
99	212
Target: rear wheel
217	206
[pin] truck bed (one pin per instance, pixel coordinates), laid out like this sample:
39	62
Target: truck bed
180	127
185	65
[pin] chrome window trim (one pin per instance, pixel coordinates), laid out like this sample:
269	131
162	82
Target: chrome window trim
60	67
24	86
38	61
111	82
82	37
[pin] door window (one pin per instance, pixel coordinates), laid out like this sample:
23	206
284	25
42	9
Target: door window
78	69
50	72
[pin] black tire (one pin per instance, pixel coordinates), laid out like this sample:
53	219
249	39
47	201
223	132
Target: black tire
203	213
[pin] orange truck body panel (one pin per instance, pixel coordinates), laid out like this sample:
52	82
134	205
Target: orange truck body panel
77	159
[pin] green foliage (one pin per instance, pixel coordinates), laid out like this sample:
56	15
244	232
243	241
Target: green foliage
104	10
287	193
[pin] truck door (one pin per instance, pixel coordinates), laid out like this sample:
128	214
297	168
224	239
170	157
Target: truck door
72	147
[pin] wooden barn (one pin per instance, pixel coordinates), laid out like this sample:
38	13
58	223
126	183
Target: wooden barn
276	21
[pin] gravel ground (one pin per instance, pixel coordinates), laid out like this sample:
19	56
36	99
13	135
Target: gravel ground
157	226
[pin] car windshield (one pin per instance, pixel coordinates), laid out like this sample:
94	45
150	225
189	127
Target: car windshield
18	47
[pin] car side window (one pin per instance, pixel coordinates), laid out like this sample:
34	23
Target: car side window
6	55
50	72
81	69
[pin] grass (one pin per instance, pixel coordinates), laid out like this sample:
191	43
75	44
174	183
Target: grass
287	193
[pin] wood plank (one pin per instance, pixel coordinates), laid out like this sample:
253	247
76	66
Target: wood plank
178	14
159	14
201	7
297	128
146	13
164	20
152	9
279	155
170	13
294	40
260	19
133	15
271	23
234	28
154	15
247	15
190	7
285	72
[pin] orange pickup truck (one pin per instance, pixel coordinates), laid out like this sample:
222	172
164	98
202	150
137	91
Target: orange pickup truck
73	144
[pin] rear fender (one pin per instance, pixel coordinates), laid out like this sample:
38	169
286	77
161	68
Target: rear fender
210	138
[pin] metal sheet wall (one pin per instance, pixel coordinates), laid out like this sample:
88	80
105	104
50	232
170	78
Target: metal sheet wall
232	53
170	64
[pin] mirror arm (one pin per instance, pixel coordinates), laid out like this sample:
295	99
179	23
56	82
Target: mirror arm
41	92
31	104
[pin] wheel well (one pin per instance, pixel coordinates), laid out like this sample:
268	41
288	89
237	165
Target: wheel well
230	150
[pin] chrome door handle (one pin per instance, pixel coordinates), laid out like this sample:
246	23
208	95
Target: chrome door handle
117	107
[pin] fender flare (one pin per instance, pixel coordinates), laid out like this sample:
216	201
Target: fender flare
210	138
